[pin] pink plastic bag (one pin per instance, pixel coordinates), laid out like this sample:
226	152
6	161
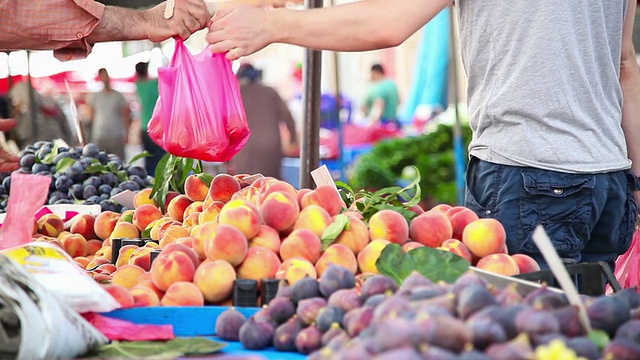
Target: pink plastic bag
199	113
628	265
28	194
121	330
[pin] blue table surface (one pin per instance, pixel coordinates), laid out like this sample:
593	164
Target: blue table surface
236	348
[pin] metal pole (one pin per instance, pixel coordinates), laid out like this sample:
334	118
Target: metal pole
340	129
458	142
310	149
33	107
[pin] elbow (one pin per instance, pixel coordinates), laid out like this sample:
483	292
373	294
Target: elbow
389	39
628	60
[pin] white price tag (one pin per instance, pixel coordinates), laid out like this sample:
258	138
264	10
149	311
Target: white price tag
322	176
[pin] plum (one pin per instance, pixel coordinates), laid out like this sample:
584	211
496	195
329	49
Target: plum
584	347
486	332
569	320
89	191
90	150
308	310
336	278
137	171
608	313
356	320
378	284
328	316
347	299
105	189
129	185
281	309
116	190
284	338
334	330
256	334
622	349
27	160
305	288
472	299
308	340
228	324
92	181
536	322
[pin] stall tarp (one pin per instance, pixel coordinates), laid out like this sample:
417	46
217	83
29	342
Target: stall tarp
75	81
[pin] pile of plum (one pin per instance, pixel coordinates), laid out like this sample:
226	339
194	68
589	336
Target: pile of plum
470	319
80	175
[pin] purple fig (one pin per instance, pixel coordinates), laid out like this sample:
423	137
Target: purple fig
284	289
334	330
305	288
447	301
545	339
336	278
284	338
415	279
397	333
346	299
309	340
229	323
608	313
378	284
473	355
587	300
436	353
584	348
448	333
621	349
630	330
473	299
536	322
392	307
256	334
470	278
309	309
338	342
426	292
357	320
375	300
433	310
504	317
510	296
354	352
405	353
569	320
329	315
486	332
630	296
281	309
517	349
546	299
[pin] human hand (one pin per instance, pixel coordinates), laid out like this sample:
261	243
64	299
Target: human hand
188	17
8	161
240	31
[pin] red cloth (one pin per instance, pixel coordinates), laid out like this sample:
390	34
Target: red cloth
121	330
358	135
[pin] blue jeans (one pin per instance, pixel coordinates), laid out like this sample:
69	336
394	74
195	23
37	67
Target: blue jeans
589	217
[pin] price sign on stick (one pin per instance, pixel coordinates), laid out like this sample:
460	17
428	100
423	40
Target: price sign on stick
322	176
74	116
543	242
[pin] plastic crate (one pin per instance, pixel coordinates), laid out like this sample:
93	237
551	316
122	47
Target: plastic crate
590	278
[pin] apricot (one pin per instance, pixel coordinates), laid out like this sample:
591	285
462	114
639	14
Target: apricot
484	237
215	279
182	293
124	254
499	263
145	215
314	218
50	225
196	187
141	257
243	215
177	207
84	225
301	243
355	237
105	223
431	229
260	263
267	238
75	245
227	244
457	247
411	245
209	213
339	255
327	197
143	197
526	263
460	217
171	234
370	254
223	186
144	297
279	210
389	225
295	269
171	268
120	294
127	275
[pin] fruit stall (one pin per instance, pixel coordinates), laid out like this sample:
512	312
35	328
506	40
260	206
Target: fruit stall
194	264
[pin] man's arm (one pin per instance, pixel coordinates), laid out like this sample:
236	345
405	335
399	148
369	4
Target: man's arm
359	26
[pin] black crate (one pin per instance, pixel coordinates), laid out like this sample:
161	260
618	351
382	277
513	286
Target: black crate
590	278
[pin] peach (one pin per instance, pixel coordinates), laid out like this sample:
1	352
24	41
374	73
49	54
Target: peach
227	244
431	229
458	248
196	187
526	263
260	263
442	208
35	227
152	245
61	235
186	241
162	226
50	225
144	297
177	207
411	245
145	215
93	246
171	234
499	263
195	207
370	254
276	186
125	230
460	217
191	221
170	196
141	257
148	283
279	210
106	242
103	279
325	196
75	245
301	243
84	225
106	269
339	255
127	275
105	223
171	268
104	252
417	209
127	216
267	238
356	237
182	248
301	194
484	237
210	212
243	215
182	293
144	277
120	294
124	254
143	197
202	234
389	225
314	218
82	261
223	186
295	269
215	279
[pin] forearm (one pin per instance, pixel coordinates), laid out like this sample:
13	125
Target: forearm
359	26
121	24
630	83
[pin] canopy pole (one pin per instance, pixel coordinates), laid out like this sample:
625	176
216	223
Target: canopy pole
458	141
33	107
310	149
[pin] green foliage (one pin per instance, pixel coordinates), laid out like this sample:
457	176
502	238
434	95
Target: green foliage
432	154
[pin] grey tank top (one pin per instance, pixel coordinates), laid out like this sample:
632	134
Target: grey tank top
543	82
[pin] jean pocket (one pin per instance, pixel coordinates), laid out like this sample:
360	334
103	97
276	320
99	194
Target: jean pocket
561	203
631	214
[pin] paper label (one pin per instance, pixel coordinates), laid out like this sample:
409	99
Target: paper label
322	176
40	259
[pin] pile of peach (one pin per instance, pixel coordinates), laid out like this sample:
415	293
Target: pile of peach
213	235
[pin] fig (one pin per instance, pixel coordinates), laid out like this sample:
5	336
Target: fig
354	352
308	340
504	317
308	310
346	299
621	349
328	316
587	300
546	299
393	306
305	288
338	342
473	299
375	300
263	315
446	301
334	330
569	320
229	323
336	278
426	292
545	339
436	353
473	355
284	289
468	279
256	334
415	279
629	330
433	310
509	296
446	332
378	284
284	338
486	332
281	309
630	296
608	313
517	349
357	320
536	322
397	333
584	348
402	353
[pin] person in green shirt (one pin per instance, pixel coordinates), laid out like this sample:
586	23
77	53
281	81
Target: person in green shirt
147	90
382	99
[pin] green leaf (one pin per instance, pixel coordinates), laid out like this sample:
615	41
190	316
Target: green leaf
437	265
112	167
146	233
96	169
64	164
199	167
143	154
334	230
186	171
48	159
158	349
162	179
388	191
122	175
344	186
205	178
599	338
